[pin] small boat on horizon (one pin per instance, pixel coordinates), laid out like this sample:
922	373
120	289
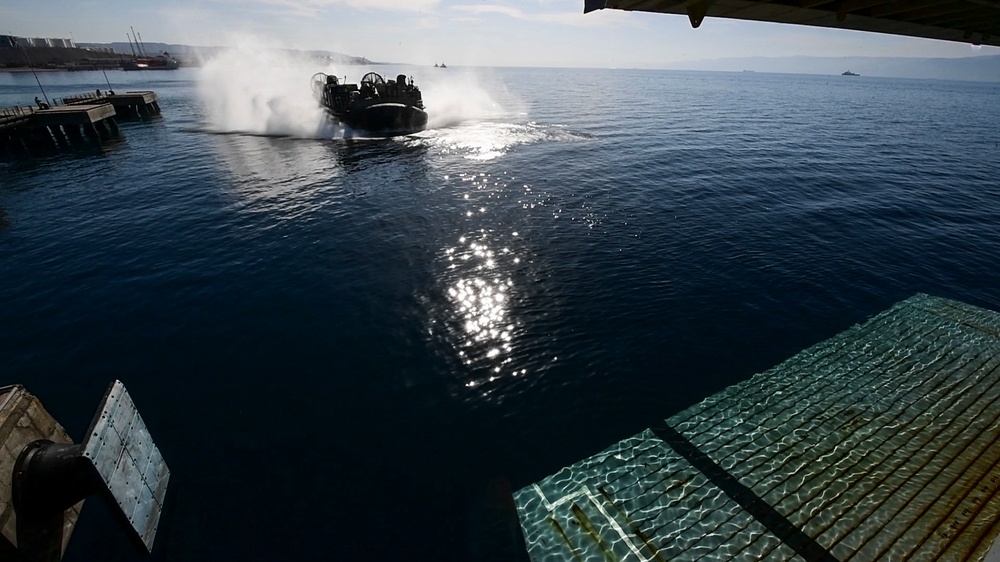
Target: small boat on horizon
849	73
378	107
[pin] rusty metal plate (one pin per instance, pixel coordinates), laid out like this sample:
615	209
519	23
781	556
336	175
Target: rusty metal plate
121	449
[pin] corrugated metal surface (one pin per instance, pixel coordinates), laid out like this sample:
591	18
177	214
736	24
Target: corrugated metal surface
880	443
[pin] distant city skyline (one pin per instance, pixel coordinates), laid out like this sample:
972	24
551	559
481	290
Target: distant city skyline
458	32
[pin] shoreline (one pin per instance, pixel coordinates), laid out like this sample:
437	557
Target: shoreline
98	69
21	70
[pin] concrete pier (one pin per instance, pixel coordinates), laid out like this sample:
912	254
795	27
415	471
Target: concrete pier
882	443
76	122
27	131
72	121
130	105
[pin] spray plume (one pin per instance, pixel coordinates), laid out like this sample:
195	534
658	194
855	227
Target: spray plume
261	89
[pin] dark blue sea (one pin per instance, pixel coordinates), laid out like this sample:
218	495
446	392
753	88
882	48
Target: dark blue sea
346	348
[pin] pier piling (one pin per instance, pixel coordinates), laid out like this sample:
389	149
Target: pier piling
28	130
130	105
73	121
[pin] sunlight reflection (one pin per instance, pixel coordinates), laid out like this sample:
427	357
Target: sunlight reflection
480	295
480	289
490	140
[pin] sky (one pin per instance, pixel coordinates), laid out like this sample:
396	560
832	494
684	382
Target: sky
549	33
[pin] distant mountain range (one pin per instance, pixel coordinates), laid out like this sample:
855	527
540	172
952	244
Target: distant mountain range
192	56
975	68
978	68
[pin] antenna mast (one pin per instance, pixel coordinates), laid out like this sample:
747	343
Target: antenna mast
138	44
25	51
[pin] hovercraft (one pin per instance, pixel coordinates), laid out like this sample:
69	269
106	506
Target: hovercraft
377	107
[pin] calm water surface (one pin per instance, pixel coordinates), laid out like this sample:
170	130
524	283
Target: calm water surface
339	345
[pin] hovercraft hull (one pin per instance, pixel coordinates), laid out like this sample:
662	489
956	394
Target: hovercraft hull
388	119
378	107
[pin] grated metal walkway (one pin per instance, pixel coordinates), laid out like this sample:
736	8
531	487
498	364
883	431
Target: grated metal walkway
881	443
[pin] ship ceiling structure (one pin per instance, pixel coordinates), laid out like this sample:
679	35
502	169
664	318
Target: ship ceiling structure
965	21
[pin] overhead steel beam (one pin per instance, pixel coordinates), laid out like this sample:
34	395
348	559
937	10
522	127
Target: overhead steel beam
967	21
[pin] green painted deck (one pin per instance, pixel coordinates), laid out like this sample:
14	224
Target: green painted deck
880	443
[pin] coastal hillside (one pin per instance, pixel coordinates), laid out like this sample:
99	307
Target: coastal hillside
110	55
14	58
191	55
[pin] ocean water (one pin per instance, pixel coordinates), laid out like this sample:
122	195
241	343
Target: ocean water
348	350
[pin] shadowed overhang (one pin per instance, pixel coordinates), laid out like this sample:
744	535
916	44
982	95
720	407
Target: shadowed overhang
965	21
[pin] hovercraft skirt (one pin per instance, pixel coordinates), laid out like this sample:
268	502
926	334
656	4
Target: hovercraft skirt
388	118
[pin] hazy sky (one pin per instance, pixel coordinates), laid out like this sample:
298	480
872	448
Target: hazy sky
458	32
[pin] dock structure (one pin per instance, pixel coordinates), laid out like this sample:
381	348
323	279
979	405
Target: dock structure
29	130
130	105
881	443
72	121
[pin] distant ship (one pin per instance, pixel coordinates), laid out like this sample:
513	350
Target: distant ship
157	62
378	107
144	61
442	65
849	73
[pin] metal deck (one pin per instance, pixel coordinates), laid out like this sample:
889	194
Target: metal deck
880	443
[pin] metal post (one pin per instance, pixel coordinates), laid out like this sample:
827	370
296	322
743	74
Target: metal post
23	50
106	79
48	479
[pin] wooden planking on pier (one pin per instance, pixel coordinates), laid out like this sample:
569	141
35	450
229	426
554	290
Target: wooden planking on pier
882	442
